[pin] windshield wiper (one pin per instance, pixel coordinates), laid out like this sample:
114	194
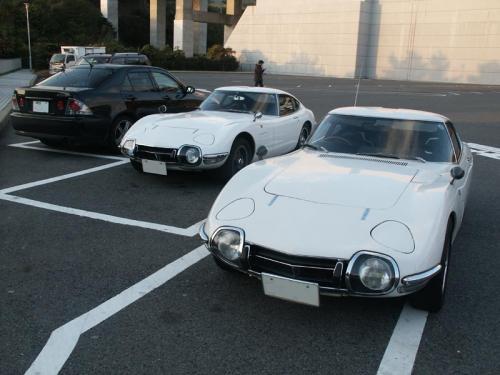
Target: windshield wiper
379	155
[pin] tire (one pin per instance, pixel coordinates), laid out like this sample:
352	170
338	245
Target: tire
431	297
118	129
52	142
137	166
305	132
222	265
239	157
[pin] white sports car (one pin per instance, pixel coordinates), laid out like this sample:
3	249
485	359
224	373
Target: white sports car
368	207
233	127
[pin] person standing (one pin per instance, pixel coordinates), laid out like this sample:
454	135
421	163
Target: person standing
258	74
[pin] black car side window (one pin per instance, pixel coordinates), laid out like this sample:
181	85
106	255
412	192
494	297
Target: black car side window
140	81
126	85
165	82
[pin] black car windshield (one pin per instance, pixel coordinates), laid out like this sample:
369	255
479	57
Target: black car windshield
80	77
57	58
384	137
240	101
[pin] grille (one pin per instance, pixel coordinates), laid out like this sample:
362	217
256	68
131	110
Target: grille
327	272
367	158
167	155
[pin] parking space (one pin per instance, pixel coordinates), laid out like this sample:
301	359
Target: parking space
101	270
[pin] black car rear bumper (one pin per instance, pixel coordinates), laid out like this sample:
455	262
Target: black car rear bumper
60	127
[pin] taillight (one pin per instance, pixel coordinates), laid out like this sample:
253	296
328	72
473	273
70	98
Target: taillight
60	105
21	101
15	105
77	107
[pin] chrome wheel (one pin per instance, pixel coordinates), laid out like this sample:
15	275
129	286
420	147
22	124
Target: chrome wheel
303	136
120	129
240	159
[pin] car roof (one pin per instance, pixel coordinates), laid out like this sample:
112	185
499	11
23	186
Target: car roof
128	54
97	55
262	90
392	113
112	66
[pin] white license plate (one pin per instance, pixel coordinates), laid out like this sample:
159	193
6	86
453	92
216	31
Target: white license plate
290	290
153	166
40	106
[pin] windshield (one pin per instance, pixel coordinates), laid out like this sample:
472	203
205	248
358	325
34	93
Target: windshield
240	101
93	60
57	58
399	139
85	77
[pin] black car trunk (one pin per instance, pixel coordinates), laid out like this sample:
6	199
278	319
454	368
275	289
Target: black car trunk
46	100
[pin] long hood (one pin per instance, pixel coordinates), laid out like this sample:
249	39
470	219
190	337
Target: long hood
343	180
173	130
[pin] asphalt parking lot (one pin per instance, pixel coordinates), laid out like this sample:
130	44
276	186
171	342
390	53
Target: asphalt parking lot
102	272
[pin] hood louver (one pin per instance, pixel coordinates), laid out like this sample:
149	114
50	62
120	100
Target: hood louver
366	158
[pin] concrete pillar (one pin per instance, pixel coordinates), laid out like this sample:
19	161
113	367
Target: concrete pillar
109	9
233	8
183	26
157	23
200	29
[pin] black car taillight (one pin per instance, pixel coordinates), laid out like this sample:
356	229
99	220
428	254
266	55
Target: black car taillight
77	107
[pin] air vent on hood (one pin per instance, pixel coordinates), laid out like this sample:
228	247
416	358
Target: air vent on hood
367	158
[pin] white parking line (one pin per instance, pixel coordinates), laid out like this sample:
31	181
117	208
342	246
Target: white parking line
63	340
486	151
26	145
188	232
399	356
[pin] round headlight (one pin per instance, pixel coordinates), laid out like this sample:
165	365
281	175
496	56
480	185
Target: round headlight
228	243
192	155
375	274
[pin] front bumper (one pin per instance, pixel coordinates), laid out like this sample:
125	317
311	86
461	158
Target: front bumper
62	127
328	273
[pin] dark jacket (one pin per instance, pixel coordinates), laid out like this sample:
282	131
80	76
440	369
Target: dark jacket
258	72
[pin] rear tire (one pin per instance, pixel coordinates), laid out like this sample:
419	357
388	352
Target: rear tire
137	166
431	297
118	129
305	132
239	157
52	142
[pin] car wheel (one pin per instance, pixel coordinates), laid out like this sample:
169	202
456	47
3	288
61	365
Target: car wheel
118	129
239	157
431	297
52	142
137	166
304	134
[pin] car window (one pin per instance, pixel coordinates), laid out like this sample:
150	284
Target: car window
241	101
165	82
126	85
140	81
132	61
118	60
454	139
296	104
78	77
287	105
70	58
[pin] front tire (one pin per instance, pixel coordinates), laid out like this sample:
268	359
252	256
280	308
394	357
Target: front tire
239	157
431	297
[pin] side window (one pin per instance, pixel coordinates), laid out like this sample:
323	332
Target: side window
126	85
132	61
70	58
454	139
118	60
296	104
165	82
286	105
140	81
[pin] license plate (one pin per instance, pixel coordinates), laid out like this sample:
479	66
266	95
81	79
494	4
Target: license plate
40	106
290	290
153	166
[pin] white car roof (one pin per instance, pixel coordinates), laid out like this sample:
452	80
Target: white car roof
393	113
263	90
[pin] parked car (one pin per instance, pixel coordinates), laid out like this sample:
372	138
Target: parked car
369	207
97	104
94	59
70	55
234	126
130	58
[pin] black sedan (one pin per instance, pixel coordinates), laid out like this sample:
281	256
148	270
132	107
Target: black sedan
98	104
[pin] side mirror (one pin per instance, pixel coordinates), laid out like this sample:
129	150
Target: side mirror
163	108
457	173
257	115
190	89
261	152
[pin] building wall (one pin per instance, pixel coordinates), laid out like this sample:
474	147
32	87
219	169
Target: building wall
8	65
422	40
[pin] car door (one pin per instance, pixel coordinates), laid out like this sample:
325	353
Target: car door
288	128
171	92
140	93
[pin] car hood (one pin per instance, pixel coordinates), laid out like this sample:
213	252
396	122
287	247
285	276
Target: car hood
342	180
173	130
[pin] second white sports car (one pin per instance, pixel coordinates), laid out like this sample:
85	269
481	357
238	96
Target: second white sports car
233	127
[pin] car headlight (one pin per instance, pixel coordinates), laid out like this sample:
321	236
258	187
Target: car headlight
190	155
128	147
371	273
228	243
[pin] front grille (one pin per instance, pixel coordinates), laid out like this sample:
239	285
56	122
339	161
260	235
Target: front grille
167	155
327	272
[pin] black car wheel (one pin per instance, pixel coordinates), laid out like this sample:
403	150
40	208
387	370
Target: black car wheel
239	157
304	134
431	297
120	126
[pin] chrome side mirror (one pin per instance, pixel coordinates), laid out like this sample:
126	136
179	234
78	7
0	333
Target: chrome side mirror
190	89
163	108
457	173
257	115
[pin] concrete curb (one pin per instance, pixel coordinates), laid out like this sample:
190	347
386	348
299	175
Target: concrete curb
4	112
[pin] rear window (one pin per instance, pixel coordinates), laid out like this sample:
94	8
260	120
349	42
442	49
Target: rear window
78	78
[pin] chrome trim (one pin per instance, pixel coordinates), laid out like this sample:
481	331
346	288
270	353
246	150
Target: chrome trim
296	265
215	156
179	151
420	278
240	247
201	232
352	262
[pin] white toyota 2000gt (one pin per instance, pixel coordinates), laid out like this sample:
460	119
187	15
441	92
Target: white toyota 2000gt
369	206
233	127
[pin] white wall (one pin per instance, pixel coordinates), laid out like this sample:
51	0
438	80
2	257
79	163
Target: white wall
8	65
427	40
